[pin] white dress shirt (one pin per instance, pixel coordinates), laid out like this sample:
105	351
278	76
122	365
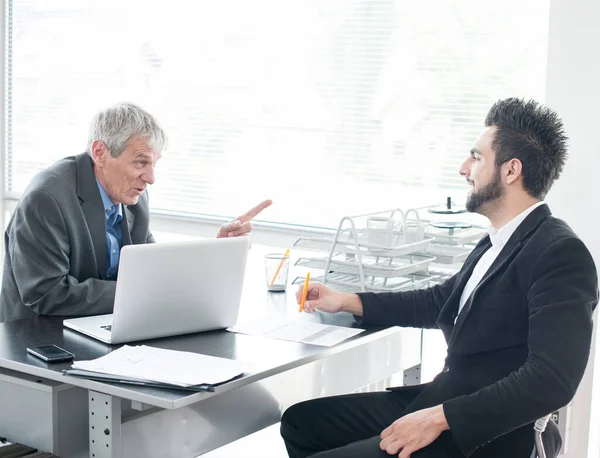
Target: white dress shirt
499	238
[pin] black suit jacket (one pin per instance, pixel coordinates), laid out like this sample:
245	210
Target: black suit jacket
520	345
55	244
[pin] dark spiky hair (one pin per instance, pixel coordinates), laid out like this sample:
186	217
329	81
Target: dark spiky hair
533	134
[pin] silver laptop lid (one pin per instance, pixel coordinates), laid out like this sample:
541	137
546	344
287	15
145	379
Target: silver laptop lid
167	289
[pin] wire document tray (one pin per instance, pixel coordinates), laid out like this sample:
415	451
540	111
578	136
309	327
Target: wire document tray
373	266
454	237
352	246
391	250
445	254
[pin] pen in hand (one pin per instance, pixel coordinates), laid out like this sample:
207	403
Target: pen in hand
304	293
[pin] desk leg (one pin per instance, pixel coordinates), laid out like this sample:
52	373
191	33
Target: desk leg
412	375
105	425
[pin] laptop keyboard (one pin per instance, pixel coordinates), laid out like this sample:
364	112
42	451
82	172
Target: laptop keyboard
108	327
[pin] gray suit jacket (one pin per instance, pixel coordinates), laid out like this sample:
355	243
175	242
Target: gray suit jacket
55	244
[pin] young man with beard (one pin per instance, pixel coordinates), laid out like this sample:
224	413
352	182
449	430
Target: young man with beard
517	319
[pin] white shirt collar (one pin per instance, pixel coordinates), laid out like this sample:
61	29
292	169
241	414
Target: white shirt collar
500	237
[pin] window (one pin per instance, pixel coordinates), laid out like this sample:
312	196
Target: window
329	107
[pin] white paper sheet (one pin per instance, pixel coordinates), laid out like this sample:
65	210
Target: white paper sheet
165	366
297	331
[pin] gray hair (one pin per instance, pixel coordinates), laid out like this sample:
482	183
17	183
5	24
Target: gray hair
118	124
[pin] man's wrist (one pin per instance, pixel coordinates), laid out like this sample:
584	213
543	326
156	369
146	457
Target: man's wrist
440	418
352	304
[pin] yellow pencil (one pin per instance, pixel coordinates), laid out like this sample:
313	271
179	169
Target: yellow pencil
304	292
287	252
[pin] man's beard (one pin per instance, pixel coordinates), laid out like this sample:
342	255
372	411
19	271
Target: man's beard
490	192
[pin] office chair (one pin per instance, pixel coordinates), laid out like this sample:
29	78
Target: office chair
539	427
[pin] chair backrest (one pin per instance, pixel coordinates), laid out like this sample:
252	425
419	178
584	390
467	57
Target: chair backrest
539	427
548	441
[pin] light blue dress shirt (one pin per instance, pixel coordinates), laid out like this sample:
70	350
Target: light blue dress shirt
114	240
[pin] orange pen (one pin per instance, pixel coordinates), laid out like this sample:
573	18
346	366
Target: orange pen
287	252
304	292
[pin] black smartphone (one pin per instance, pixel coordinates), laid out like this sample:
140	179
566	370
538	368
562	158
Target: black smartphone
51	353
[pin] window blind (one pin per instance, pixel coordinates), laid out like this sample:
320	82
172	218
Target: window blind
328	107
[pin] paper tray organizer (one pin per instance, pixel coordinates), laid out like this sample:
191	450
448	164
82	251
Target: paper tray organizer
391	250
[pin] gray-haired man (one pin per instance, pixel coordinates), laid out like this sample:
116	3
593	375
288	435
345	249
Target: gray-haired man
64	238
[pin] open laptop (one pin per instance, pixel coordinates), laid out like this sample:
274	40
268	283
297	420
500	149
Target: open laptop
167	289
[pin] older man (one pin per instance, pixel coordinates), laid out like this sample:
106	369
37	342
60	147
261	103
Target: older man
64	239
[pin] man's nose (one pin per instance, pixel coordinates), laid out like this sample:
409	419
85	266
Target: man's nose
148	175
465	169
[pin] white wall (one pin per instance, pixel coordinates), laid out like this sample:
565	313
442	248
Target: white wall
573	89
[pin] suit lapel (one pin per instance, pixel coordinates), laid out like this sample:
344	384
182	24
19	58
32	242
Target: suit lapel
448	313
505	255
93	210
509	251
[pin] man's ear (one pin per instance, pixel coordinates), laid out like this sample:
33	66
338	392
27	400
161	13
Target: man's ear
513	170
99	152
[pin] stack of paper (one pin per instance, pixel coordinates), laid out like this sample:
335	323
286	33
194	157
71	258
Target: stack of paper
296	330
152	366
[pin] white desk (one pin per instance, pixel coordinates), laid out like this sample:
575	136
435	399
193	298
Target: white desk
129	422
